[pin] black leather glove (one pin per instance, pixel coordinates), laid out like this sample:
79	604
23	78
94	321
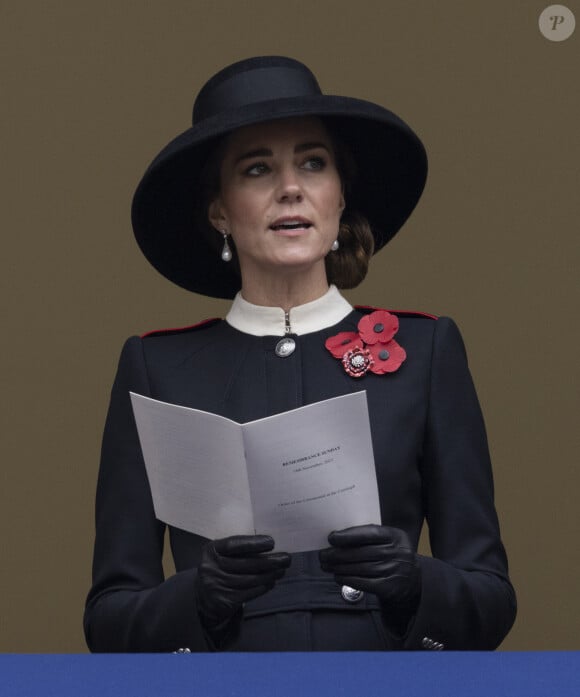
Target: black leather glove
377	559
233	570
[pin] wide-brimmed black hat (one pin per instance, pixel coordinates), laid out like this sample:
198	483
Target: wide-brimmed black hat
391	165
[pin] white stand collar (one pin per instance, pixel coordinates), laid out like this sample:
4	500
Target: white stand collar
259	320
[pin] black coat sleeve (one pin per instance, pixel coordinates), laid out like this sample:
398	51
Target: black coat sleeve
467	601
131	607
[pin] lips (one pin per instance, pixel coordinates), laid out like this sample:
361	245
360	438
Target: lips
287	223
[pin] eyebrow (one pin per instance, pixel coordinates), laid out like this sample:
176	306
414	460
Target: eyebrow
266	152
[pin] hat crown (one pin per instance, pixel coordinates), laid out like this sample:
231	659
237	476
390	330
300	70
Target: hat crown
254	80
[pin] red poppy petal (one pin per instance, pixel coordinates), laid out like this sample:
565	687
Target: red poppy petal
341	343
379	325
387	357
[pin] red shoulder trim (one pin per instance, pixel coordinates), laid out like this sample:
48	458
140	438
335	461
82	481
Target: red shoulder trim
399	313
176	330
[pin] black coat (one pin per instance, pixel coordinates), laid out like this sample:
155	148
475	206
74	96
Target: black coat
432	464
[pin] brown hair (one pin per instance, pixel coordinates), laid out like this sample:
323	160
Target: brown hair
348	266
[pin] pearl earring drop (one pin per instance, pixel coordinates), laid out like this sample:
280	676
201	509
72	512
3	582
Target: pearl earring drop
226	251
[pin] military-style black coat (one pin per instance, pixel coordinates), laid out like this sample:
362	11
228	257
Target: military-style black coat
432	464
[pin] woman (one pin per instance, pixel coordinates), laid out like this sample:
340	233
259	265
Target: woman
281	191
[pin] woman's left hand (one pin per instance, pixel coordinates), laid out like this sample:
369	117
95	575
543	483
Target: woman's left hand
377	559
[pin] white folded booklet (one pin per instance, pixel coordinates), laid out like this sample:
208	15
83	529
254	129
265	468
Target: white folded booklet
295	476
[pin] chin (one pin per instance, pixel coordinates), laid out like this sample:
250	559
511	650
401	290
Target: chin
297	262
298	255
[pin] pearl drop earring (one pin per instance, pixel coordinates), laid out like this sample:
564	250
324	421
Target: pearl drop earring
335	245
226	251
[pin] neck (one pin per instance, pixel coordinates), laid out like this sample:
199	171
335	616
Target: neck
284	290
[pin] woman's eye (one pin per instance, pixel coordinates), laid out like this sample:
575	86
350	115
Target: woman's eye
314	163
257	169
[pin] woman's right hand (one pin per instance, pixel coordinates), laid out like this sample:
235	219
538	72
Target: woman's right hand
234	570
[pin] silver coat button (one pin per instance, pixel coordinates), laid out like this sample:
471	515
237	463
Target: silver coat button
285	347
351	595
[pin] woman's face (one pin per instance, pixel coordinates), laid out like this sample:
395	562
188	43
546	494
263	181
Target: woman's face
280	196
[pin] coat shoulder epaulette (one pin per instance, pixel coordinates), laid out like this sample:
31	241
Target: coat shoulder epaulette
399	313
205	324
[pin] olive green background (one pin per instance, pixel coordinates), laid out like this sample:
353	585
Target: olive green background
91	91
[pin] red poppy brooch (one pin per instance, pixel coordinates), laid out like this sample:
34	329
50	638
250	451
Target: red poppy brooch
371	348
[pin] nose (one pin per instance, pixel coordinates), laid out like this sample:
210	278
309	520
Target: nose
289	186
